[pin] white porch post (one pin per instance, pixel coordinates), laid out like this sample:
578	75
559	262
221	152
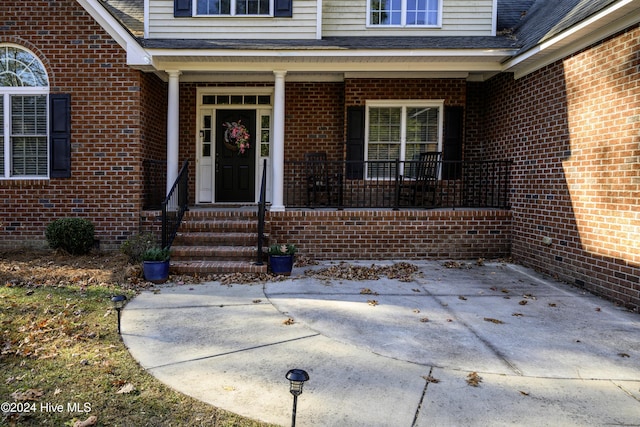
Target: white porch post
173	126
277	168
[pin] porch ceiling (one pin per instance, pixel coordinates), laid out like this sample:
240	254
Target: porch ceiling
441	61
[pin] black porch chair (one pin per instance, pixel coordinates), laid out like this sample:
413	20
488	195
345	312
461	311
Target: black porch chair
419	184
317	178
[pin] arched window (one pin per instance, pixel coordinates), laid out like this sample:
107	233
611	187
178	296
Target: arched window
24	90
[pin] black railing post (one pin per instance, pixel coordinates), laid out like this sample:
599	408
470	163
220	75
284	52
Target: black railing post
261	213
396	204
178	203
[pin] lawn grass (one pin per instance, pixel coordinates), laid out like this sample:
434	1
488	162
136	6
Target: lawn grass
62	361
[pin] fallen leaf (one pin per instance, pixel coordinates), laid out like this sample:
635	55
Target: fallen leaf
623	355
415	310
228	388
91	421
289	321
30	394
257	301
523	302
473	379
492	320
524	393
126	389
552	304
430	379
424	319
517	314
416	290
372	302
462	297
367	291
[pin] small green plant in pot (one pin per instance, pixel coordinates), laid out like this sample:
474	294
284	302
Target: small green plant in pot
155	264
281	258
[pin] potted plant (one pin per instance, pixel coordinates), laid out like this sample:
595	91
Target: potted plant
281	258
155	264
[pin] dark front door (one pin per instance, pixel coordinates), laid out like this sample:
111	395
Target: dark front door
235	172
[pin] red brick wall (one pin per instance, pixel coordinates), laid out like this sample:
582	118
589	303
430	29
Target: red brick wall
357	91
314	117
461	234
83	60
572	129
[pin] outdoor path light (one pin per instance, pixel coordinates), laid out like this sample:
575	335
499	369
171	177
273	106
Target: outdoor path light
118	303
296	378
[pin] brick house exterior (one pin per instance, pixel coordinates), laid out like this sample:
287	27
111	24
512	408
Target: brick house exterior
572	129
570	126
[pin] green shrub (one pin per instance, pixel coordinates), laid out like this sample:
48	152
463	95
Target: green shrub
137	245
156	254
74	235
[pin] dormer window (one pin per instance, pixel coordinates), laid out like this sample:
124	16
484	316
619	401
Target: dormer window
403	13
234	7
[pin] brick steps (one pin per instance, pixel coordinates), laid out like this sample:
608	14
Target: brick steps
216	242
213	267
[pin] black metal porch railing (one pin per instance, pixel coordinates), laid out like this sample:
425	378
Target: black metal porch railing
392	184
175	205
262	207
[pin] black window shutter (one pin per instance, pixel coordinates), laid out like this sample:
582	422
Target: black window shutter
355	142
283	8
452	149
60	135
181	8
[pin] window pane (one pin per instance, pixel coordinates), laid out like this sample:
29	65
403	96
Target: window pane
384	124
214	7
422	124
386	12
29	154
252	7
20	68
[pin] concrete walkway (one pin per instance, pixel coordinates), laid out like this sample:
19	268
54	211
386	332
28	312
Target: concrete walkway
388	352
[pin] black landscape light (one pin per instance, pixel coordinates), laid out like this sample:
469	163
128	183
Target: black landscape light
118	303
296	378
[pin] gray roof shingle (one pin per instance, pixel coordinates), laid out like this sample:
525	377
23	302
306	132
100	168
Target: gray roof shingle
526	22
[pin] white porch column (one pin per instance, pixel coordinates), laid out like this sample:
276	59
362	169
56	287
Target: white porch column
277	156
173	127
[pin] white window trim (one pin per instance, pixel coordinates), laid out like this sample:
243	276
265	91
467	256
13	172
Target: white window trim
5	95
439	104
403	23
233	12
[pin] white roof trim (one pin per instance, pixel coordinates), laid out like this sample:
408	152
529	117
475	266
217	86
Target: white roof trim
136	55
574	39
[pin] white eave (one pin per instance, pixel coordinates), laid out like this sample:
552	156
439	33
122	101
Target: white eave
609	21
136	55
331	60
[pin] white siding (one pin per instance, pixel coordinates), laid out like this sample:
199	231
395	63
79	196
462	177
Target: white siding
459	18
163	25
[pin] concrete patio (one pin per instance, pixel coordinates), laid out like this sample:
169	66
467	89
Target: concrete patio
472	345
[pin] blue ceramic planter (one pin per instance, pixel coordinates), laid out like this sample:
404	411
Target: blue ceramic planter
281	264
156	271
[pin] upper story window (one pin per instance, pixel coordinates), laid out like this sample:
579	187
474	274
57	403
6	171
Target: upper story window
234	7
403	13
24	90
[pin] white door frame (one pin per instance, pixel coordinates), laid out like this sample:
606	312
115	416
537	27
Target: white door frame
263	135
